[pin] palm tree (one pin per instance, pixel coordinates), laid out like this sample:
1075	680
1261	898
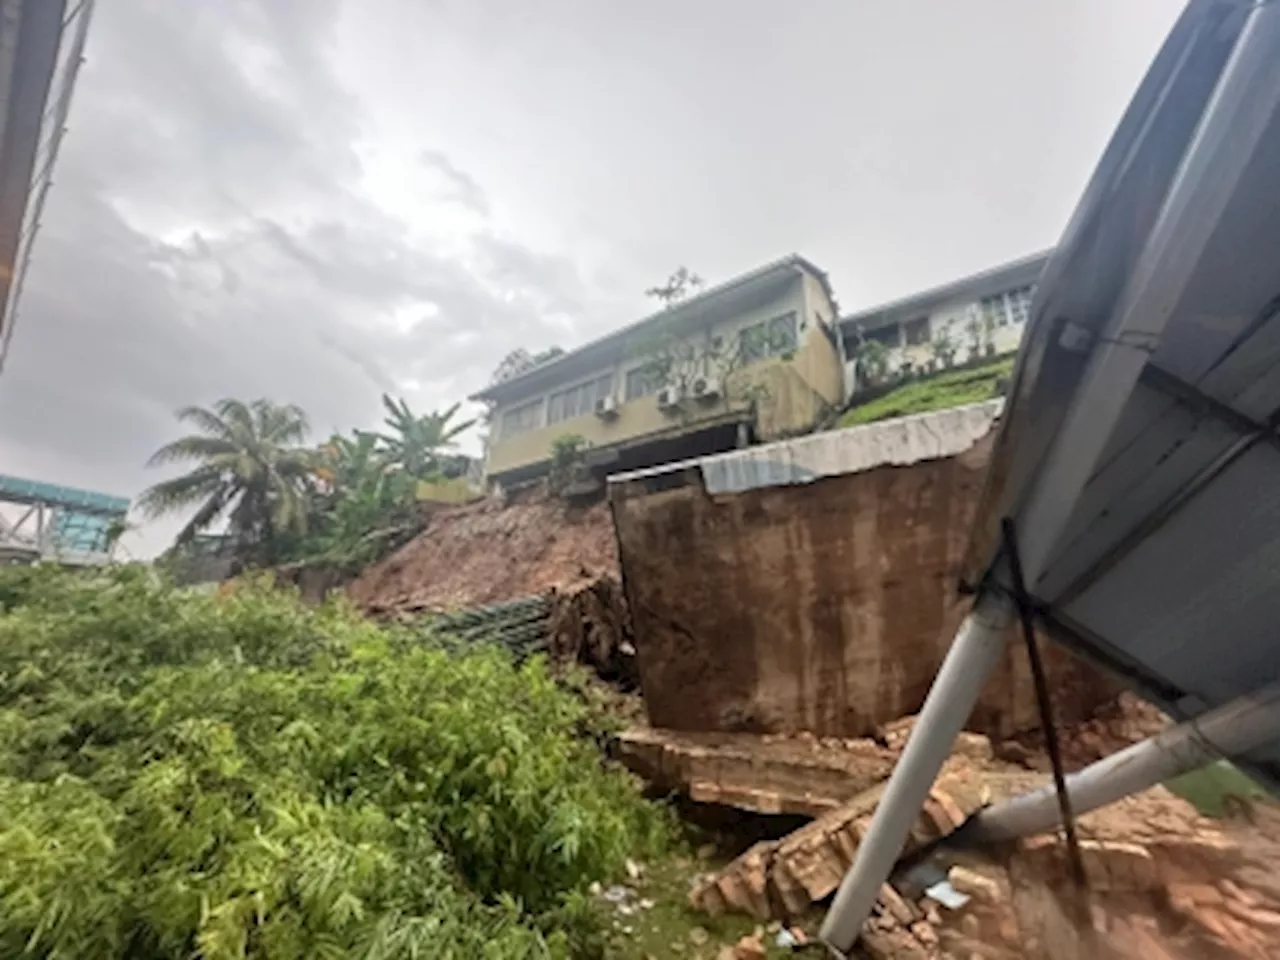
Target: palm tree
343	463
362	503
415	441
250	468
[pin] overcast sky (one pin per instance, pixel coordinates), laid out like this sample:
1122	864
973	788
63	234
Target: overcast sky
318	201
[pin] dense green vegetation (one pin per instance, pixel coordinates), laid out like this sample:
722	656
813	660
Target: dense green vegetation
239	776
951	388
340	504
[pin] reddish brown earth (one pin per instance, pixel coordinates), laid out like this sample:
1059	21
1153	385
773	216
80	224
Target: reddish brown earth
487	552
1116	725
1163	883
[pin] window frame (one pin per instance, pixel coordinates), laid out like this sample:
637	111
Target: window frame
769	344
922	323
888	335
652	386
588	392
505	424
1018	305
997	306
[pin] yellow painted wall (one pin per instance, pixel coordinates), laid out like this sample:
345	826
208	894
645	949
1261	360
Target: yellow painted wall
794	393
445	491
635	419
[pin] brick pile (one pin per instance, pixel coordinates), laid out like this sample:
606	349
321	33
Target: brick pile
1163	883
782	879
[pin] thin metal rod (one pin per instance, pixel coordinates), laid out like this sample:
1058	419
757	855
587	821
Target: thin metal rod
1047	726
973	654
1232	729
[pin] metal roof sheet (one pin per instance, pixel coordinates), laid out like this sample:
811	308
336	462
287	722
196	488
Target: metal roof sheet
1138	455
967	289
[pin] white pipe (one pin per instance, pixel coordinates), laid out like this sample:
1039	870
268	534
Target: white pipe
1232	729
973	654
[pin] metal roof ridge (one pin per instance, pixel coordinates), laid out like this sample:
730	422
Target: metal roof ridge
942	288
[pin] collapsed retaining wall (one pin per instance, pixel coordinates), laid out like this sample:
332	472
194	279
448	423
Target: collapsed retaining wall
810	584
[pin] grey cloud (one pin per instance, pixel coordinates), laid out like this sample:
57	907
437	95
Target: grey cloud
206	237
209	234
535	274
462	187
214	107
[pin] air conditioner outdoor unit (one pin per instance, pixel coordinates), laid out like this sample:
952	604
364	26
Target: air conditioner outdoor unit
607	407
668	398
706	388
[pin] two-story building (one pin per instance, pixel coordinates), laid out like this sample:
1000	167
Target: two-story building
977	315
757	357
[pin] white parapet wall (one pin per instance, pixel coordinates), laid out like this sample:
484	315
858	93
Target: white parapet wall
898	442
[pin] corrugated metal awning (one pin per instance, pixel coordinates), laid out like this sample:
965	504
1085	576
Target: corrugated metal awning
1138	455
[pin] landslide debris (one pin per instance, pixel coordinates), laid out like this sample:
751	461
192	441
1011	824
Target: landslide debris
488	552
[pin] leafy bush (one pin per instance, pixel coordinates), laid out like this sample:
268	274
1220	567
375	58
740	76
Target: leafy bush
242	777
567	464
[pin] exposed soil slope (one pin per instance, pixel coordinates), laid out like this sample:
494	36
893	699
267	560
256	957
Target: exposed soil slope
486	552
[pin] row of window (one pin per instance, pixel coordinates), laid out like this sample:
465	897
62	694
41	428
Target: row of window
1008	309
769	338
578	400
1002	310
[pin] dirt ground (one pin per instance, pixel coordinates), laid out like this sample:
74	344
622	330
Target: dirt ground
487	552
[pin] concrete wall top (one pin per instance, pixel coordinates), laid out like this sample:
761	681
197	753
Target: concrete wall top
898	442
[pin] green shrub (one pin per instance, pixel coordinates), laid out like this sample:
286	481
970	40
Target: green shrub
243	777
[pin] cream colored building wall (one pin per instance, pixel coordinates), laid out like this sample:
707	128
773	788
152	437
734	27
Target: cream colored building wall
794	393
954	320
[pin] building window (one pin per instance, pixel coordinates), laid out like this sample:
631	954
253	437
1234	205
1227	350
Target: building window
917	331
643	381
578	401
993	310
522	419
889	335
1020	305
769	338
1004	309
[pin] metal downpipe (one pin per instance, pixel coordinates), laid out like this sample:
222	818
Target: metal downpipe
973	654
1234	728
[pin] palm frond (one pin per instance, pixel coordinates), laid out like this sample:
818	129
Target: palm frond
186	449
205	420
390	406
279	423
448	436
203	518
237	415
169	496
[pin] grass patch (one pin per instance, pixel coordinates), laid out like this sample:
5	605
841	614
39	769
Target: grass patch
941	391
670	928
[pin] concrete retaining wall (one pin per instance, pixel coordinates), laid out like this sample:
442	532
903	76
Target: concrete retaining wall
810	585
